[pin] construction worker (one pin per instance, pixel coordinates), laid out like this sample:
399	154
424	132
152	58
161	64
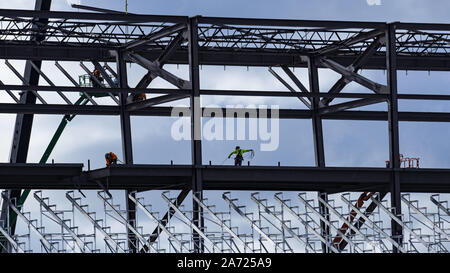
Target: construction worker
139	97
98	77
136	97
239	155
111	159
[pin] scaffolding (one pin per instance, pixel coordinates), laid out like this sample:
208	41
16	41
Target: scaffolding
270	222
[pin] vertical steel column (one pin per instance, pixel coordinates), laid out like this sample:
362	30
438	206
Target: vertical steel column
394	149
318	142
127	148
196	144
24	122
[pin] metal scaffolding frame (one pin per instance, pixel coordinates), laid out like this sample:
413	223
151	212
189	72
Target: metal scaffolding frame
152	41
281	223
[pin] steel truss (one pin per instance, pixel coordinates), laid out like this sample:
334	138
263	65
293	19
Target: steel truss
152	41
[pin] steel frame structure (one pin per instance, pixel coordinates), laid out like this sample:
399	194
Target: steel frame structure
265	222
152	41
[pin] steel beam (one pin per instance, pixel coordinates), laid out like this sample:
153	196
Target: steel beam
156	70
355	67
124	115
317	122
24	122
393	124
349	105
11	94
319	150
135	106
160	111
161	60
127	148
236	57
101	90
74	82
352	76
39	71
279	78
255	178
295	79
167	31
196	144
25	81
267	93
288	23
109	17
361	37
84	7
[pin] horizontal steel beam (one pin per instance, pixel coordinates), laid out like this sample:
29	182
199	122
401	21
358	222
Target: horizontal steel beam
348	105
160	111
172	91
25	176
154	101
361	37
155	36
115	90
56	52
131	17
108	17
146	177
235	57
289	23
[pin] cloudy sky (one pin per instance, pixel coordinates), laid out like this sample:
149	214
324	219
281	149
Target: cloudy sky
347	143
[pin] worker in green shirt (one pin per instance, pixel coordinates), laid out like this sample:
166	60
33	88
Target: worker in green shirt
239	155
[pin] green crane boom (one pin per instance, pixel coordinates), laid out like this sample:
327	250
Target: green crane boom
83	100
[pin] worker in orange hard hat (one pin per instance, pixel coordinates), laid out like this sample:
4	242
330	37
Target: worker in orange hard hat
142	96
111	159
139	97
98	77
